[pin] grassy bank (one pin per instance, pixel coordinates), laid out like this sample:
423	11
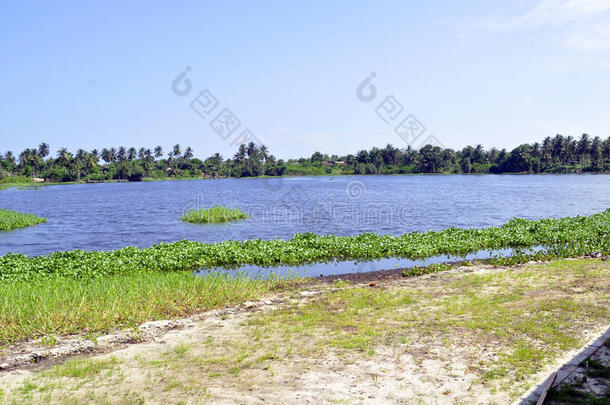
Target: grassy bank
59	305
10	220
476	336
214	215
17	182
566	237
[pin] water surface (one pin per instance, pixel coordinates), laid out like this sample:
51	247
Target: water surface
110	216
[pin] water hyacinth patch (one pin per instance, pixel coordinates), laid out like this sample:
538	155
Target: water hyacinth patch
214	215
563	237
10	220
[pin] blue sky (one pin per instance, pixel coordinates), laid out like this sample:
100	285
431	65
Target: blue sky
95	74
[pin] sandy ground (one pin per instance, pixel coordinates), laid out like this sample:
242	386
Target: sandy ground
162	363
435	375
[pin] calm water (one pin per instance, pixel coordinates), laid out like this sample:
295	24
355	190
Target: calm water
111	216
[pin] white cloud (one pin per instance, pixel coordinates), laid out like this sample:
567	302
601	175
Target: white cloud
544	13
594	38
581	25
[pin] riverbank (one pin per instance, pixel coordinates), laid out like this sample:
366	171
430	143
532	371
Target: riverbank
66	292
28	183
471	334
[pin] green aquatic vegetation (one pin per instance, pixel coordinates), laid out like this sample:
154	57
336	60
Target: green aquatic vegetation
10	220
214	215
563	237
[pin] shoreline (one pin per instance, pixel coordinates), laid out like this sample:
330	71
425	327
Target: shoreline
339	331
35	185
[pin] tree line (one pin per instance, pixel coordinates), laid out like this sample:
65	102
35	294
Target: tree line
558	154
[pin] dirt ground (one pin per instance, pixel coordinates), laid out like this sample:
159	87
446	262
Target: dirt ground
242	355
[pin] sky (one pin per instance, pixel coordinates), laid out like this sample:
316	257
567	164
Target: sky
98	74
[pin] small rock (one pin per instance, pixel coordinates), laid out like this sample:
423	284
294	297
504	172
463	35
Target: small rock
4	366
155	325
249	304
372	284
268	302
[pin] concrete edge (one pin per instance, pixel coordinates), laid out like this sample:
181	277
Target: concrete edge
563	371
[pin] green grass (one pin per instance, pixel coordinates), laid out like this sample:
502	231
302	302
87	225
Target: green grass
48	306
82	368
214	215
10	220
565	237
16	181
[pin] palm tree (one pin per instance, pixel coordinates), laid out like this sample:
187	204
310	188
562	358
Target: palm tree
188	153
43	150
158	152
547	149
240	156
141	152
583	148
90	162
31	158
95	153
80	154
107	155
10	158
558	148
63	156
122	154
478	155
596	151
252	150
264	153
131	153
176	152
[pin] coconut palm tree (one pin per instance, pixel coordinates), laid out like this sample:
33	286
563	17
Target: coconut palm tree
90	162
158	152
188	153
131	153
596	151
10	158
252	150
80	154
43	150
63	156
176	152
583	148
240	156
107	155
264	153
122	154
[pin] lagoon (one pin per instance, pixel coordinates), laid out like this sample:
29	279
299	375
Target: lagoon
111	216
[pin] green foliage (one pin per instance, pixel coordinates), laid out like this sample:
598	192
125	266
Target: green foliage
559	154
10	220
565	237
215	214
